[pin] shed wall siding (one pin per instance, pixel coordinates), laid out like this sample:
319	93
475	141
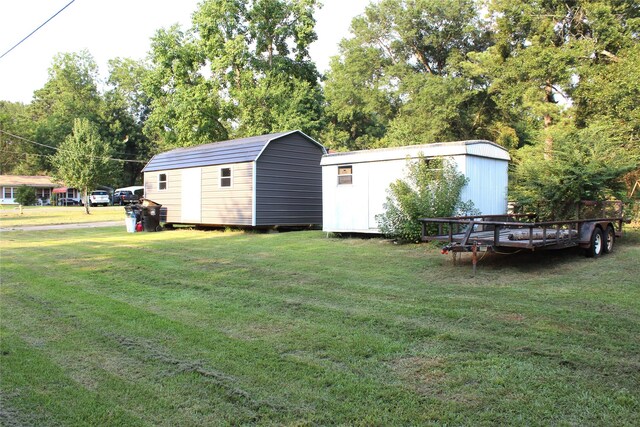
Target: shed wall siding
227	205
171	198
219	205
354	207
488	182
289	183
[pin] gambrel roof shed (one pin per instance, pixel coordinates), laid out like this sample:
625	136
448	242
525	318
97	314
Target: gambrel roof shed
264	180
219	153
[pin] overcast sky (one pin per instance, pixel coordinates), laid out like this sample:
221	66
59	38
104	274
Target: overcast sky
117	28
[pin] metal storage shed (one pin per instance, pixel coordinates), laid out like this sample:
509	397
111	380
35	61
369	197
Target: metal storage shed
354	184
267	180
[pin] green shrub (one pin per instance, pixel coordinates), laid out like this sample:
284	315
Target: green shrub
432	188
585	164
25	195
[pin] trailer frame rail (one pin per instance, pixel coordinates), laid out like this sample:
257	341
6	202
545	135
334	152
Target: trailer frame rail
513	231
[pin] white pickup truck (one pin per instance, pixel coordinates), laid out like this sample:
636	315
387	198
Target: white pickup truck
99	197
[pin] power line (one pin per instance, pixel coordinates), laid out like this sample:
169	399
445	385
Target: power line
2	150
32	32
27	140
58	149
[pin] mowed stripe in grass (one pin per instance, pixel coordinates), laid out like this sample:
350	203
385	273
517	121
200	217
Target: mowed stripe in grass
189	327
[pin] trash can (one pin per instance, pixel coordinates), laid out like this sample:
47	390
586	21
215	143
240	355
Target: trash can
130	223
132	217
150	215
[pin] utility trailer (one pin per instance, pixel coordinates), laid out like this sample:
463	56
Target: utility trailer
510	233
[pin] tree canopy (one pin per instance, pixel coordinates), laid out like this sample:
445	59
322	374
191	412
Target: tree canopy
535	77
82	160
243	69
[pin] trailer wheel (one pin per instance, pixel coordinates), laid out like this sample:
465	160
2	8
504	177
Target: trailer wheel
609	240
597	243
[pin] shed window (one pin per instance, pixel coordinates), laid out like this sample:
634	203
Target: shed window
162	181
225	177
345	175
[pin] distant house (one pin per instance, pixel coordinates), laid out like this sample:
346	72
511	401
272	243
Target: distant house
65	196
355	183
42	185
261	181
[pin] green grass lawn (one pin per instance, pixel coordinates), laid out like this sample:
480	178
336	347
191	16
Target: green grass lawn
10	216
184	327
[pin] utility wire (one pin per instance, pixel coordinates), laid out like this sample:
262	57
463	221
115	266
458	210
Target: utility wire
27	140
32	32
58	149
2	150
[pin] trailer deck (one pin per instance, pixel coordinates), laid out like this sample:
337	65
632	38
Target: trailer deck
497	233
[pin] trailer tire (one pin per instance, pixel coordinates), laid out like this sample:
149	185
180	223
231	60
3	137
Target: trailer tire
596	244
609	240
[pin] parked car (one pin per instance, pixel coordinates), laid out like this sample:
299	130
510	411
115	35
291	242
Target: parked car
127	195
99	197
69	201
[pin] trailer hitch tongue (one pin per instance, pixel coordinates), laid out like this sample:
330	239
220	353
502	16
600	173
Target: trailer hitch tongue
446	249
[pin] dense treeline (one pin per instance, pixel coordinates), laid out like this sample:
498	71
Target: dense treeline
555	82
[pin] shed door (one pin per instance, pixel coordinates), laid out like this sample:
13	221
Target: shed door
192	195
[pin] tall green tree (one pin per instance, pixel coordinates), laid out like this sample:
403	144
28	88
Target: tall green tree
359	104
243	69
608	96
16	155
70	92
532	61
567	65
414	48
259	52
126	108
543	53
185	105
83	159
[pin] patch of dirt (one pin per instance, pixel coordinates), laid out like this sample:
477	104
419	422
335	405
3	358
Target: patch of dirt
257	331
429	377
511	317
424	372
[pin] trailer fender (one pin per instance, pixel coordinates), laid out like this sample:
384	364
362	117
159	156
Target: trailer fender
586	231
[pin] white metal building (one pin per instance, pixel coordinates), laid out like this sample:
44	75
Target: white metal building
354	184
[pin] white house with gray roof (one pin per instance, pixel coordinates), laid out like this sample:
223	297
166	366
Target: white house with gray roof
355	183
261	181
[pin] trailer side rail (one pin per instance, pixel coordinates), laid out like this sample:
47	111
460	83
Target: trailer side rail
511	230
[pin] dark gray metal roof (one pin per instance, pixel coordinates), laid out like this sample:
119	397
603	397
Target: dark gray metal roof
217	153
